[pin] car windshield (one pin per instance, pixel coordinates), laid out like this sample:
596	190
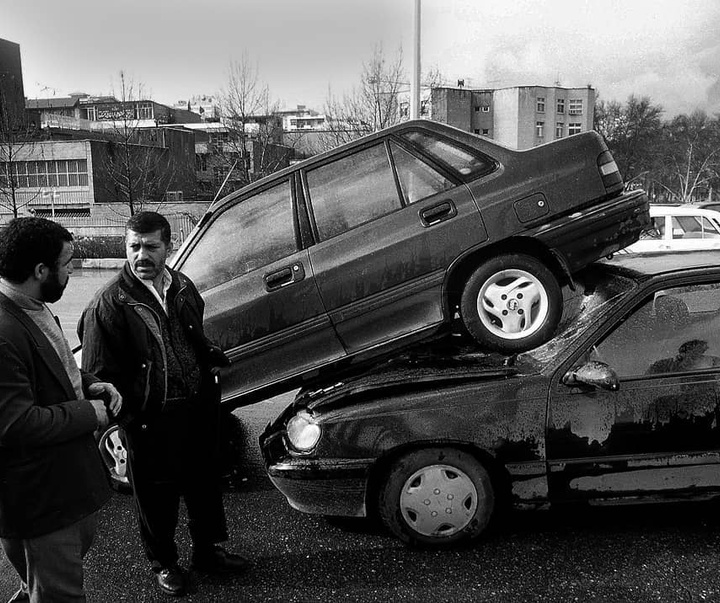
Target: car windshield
581	311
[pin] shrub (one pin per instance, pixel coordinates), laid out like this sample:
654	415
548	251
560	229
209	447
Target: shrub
99	247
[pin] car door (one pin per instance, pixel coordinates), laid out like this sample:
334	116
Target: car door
658	433
262	305
387	225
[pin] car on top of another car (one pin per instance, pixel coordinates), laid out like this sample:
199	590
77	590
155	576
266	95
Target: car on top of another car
354	253
621	406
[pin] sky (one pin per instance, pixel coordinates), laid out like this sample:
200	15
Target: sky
304	50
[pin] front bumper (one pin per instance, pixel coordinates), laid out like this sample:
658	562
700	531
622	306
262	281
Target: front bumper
320	486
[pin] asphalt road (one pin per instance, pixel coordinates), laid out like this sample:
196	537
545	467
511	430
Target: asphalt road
665	553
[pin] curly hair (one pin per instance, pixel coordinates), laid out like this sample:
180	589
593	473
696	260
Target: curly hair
27	242
145	222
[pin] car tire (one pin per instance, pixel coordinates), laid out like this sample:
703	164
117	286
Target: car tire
114	455
499	297
436	497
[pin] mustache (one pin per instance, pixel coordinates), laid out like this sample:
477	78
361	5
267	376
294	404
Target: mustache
144	264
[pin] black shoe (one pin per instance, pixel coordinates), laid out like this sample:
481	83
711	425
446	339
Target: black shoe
218	560
171	581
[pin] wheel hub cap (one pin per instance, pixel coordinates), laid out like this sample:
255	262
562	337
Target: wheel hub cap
438	500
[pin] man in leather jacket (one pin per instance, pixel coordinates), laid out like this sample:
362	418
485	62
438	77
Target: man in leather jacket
143	332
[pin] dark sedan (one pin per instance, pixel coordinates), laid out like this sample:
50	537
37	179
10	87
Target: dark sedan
621	406
387	240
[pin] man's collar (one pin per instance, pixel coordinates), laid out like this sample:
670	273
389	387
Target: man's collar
17	295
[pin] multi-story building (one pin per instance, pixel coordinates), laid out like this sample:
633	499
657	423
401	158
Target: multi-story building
82	111
226	161
520	117
206	106
12	95
68	173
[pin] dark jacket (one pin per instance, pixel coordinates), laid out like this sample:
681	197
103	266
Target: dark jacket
122	343
51	473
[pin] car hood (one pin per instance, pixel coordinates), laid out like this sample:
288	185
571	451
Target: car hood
411	372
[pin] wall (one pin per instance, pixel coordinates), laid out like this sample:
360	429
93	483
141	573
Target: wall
505	116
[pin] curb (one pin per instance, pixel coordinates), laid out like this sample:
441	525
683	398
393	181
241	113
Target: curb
108	263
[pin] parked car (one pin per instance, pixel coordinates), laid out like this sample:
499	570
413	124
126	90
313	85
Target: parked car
381	242
679	228
714	205
621	405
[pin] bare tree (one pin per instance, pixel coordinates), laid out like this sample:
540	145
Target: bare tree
632	132
372	105
690	165
137	167
17	141
250	144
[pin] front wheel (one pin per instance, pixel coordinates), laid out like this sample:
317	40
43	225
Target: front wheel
511	303
437	497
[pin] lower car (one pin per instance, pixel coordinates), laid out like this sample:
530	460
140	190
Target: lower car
622	405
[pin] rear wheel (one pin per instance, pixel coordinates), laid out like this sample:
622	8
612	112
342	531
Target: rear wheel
437	497
511	303
114	455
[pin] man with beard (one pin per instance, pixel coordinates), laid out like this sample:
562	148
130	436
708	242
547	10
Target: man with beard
143	332
52	479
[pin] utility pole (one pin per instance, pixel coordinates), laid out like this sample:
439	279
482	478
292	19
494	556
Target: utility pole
415	81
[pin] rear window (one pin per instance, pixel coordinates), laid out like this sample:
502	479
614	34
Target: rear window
463	161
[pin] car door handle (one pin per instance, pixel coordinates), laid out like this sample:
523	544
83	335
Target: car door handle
437	213
284	276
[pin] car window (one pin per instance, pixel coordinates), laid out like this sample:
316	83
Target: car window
463	161
417	179
693	227
352	190
675	330
246	236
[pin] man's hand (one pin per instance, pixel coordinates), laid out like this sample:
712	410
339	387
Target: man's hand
101	413
114	399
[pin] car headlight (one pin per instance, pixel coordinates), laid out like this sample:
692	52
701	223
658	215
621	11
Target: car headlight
303	432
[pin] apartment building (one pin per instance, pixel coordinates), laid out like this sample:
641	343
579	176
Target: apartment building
520	117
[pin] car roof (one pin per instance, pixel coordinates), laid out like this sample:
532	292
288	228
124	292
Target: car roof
683	210
652	264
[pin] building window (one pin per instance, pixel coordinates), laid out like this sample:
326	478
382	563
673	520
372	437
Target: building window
486	132
51	174
91	113
477	108
574	128
559	129
477	130
486	108
145	111
561	105
539	128
575	107
541	104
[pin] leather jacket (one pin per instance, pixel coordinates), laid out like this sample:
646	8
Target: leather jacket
122	343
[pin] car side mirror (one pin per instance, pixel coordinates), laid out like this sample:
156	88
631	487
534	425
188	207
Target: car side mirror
594	374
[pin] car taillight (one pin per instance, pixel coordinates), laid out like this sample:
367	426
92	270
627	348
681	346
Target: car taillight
609	172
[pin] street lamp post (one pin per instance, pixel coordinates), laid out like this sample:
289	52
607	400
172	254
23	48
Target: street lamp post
415	81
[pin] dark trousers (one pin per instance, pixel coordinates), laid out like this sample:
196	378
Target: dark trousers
174	457
51	566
